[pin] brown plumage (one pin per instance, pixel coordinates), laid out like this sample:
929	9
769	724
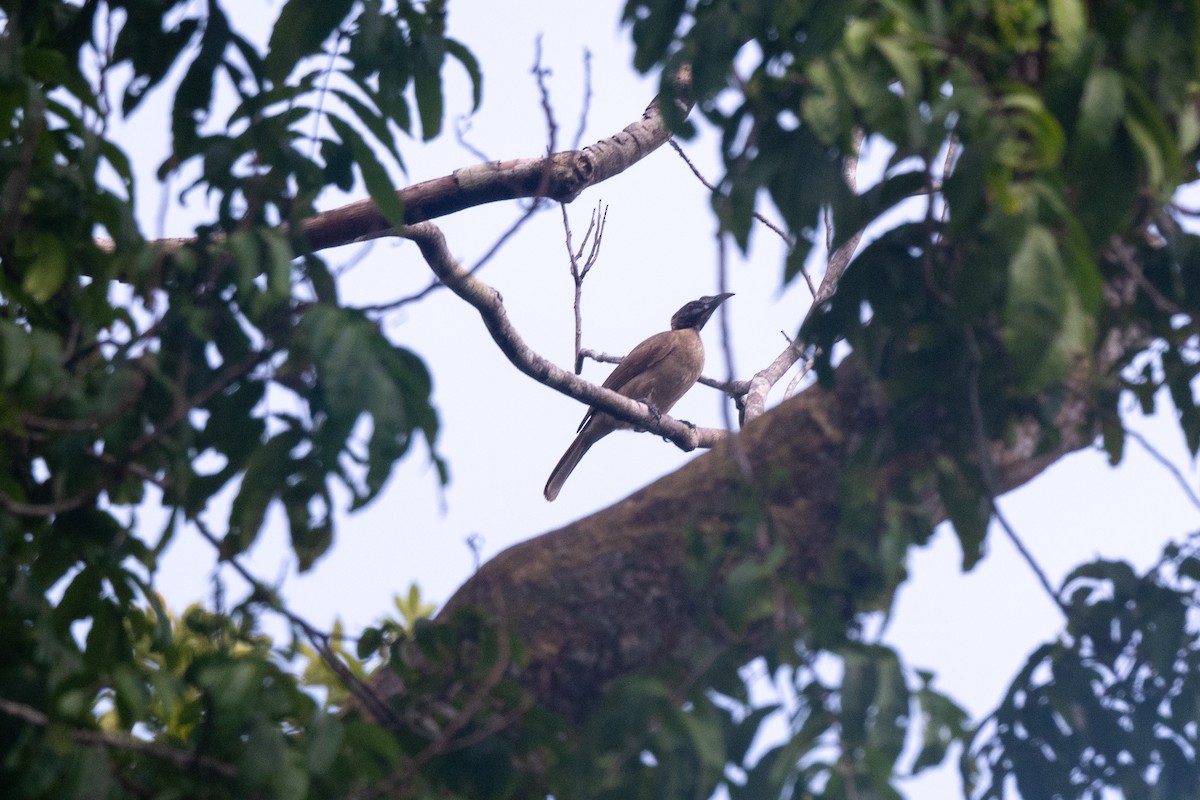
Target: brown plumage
657	372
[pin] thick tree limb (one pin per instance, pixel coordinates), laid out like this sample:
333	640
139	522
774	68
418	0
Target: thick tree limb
615	592
560	177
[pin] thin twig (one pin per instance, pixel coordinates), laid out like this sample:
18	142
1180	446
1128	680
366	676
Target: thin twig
183	759
737	451
791	244
587	99
762	381
462	125
319	640
987	470
436	283
540	74
1166	463
594	234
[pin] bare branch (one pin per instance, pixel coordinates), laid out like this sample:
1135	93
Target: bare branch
540	74
488	303
987	469
780	232
763	380
578	273
586	106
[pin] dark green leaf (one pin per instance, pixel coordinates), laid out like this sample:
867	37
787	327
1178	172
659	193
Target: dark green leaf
302	27
379	184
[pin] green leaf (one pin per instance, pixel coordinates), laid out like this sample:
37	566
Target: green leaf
379	184
16	352
427	86
369	642
303	26
1035	305
1068	18
194	95
372	119
471	65
744	732
1101	108
46	274
889	725
899	54
853	213
325	734
860	677
968	508
1113	433
261	483
943	722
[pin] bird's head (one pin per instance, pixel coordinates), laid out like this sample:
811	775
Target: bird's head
697	312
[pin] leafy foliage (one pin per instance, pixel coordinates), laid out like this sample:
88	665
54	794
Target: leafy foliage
1113	702
224	366
1045	142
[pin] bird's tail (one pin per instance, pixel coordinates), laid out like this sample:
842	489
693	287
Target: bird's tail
568	462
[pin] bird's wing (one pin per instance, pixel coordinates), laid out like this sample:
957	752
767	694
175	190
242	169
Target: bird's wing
645	356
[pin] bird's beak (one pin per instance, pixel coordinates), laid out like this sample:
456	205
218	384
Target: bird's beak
711	305
715	301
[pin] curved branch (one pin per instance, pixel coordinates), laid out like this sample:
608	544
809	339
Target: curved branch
490	305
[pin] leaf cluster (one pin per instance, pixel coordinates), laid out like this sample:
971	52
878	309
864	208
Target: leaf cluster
1112	704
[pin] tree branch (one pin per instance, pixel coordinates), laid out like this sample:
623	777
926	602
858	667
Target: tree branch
560	177
762	381
490	305
182	759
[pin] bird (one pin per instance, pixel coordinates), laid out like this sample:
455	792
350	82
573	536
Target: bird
657	372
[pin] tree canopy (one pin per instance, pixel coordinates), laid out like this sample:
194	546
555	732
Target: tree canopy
1045	292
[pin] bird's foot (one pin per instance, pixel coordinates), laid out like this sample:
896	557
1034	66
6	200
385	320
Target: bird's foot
654	412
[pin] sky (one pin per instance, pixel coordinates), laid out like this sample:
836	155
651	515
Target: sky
502	432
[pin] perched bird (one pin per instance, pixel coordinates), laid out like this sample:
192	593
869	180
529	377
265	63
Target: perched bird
657	372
